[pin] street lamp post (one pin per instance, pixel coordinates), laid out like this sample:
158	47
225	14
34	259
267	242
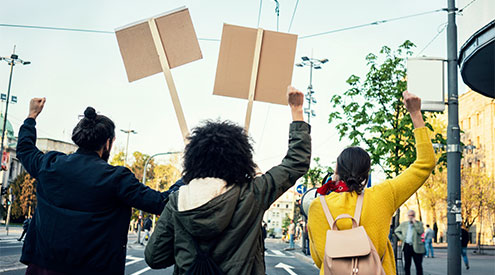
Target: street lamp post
12	61
316	64
144	182
128	132
454	218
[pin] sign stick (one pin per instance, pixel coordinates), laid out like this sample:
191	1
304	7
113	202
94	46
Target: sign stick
168	77
254	77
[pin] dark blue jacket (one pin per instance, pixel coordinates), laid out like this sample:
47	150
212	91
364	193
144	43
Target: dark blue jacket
84	209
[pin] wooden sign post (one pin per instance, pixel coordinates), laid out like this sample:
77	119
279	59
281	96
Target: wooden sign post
168	77
157	45
254	77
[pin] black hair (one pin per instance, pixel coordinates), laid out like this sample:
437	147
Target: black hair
353	167
220	150
93	131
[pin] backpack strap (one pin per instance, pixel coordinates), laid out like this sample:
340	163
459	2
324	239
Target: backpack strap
359	207
326	210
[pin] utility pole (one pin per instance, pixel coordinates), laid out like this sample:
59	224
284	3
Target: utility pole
316	64
144	182
128	132
11	61
454	217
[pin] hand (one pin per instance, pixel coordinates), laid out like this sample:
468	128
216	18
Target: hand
413	106
412	102
35	107
295	98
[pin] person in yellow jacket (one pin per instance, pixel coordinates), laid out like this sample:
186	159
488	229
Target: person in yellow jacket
380	201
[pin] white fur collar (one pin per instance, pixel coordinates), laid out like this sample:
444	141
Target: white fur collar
199	192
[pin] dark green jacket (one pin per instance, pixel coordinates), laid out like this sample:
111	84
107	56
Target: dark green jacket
233	218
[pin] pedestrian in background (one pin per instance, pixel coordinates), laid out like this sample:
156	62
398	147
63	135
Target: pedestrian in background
25	226
464	243
435	229
380	201
429	235
409	232
84	204
292	234
147	228
216	216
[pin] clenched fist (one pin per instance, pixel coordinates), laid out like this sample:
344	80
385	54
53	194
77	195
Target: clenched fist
36	106
295	99
412	102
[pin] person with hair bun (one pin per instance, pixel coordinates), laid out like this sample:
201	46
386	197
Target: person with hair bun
84	204
380	201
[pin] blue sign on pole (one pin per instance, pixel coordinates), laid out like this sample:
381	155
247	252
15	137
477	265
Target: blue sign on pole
4	96
301	189
14	99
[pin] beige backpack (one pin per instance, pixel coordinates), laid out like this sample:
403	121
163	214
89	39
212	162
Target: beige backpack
349	251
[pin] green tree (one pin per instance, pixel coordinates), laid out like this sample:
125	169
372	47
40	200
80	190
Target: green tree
24	196
371	113
315	175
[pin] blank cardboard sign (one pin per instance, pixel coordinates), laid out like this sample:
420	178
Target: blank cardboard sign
138	49
235	64
425	78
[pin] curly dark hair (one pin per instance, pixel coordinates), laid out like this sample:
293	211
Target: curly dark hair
353	167
219	149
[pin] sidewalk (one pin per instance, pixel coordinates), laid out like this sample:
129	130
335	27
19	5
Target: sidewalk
10	262
480	264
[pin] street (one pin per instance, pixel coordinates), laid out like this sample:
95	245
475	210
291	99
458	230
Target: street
278	261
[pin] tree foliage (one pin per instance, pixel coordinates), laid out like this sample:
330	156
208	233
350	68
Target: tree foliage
315	175
24	196
477	194
371	112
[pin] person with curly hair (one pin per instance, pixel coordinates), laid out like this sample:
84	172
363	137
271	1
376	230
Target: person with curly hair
219	211
379	202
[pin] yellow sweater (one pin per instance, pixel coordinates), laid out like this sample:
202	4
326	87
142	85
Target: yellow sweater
379	205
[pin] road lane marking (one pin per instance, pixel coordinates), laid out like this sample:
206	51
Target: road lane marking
132	259
286	267
141	271
278	252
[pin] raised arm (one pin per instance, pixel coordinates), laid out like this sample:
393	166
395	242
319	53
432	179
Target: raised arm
27	152
135	194
409	181
295	164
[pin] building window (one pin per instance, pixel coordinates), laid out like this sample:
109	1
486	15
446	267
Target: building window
478	145
286	206
469	123
462	124
478	119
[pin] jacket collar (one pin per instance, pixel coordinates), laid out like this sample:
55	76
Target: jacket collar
87	152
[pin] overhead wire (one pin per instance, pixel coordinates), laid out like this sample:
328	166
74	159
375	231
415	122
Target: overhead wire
442	27
293	15
466	6
78	30
374	23
259	13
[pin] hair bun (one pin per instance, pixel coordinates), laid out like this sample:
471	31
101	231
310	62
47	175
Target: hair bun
90	113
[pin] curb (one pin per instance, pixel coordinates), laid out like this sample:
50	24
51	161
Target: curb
301	257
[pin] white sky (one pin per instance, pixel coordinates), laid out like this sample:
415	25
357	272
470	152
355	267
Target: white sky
74	70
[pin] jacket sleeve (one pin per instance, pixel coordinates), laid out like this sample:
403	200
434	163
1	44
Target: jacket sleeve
295	164
159	252
27	152
419	228
313	250
399	233
409	181
137	195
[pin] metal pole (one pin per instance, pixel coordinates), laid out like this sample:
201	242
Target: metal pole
310	88
144	182
454	217
6	111
127	146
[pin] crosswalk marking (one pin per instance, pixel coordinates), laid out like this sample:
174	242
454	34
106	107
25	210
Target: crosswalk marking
133	260
277	252
141	271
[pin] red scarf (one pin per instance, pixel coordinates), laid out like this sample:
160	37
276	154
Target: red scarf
332	186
